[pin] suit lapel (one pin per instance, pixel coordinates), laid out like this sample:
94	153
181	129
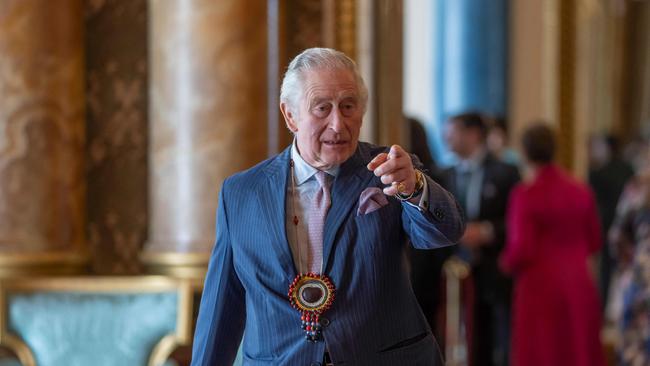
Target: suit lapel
272	201
348	185
353	177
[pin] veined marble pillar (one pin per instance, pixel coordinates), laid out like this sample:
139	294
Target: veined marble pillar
389	113
208	110
42	185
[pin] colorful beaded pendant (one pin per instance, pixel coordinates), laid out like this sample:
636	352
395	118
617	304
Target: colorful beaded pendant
311	294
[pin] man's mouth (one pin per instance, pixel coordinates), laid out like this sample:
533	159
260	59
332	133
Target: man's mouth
334	142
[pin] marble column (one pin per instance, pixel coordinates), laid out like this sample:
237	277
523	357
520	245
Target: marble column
389	115
533	64
379	48
208	111
42	185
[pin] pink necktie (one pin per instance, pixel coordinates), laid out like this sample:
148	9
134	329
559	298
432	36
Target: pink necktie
316	222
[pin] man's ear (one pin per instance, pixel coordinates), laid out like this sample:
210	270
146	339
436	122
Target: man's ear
289	117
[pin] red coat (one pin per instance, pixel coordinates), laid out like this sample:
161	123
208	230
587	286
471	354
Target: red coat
553	227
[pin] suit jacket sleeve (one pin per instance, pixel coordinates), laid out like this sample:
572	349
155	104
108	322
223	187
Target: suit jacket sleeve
442	224
220	323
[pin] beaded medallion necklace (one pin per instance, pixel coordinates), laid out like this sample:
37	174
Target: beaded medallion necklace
310	293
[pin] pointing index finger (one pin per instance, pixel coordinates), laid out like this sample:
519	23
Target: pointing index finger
395	152
377	161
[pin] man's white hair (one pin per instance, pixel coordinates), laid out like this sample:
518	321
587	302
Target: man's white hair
317	58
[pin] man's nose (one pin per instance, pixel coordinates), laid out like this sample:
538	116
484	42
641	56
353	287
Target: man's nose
336	120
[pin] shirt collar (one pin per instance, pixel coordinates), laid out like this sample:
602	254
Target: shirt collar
302	169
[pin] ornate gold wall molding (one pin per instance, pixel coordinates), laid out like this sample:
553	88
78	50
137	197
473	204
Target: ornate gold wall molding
314	23
116	122
346	27
303	27
566	119
339	25
635	114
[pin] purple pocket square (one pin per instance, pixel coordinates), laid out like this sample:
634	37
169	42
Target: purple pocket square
371	199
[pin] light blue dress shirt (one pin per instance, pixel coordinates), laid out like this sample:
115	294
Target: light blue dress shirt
473	165
297	205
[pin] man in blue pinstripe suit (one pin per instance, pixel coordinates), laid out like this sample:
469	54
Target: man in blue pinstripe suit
356	298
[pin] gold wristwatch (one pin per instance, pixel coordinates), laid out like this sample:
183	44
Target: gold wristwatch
419	185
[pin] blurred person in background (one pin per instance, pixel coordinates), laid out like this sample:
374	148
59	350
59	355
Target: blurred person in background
426	265
630	239
420	147
633	150
497	141
608	173
482	184
553	227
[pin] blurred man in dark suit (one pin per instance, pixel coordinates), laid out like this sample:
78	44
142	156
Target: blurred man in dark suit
608	174
482	184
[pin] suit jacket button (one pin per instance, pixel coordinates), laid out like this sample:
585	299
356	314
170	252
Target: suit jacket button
324	322
438	214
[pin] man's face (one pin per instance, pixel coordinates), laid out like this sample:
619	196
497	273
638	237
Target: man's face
461	140
454	137
496	140
327	119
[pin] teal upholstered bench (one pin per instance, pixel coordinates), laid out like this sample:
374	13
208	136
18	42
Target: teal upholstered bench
99	321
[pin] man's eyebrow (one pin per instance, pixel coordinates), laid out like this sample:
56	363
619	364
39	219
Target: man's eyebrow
317	100
350	98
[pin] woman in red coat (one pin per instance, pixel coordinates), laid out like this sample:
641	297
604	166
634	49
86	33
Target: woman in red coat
552	229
